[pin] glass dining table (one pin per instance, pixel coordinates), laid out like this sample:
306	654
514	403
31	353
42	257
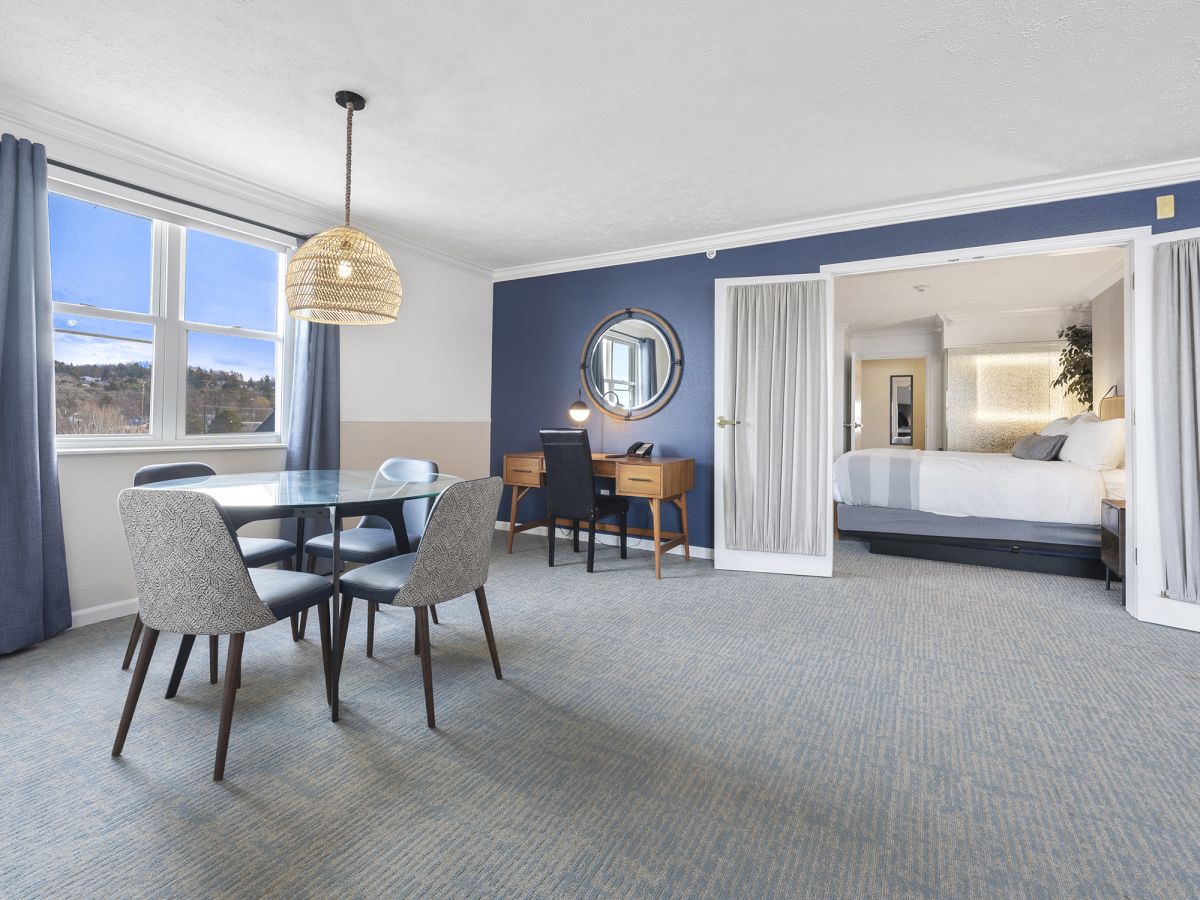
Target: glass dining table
324	494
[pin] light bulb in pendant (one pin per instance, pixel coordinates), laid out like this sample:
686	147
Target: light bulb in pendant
344	269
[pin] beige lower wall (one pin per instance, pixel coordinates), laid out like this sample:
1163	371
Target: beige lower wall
875	390
97	560
459	448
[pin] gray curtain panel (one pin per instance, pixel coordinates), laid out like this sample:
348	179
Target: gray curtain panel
777	459
35	603
647	370
1177	412
315	411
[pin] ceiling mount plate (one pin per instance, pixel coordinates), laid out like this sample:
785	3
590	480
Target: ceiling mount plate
349	98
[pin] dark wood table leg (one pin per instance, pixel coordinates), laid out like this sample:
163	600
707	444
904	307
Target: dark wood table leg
335	616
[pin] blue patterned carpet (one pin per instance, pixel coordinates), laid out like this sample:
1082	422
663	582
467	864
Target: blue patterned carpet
908	729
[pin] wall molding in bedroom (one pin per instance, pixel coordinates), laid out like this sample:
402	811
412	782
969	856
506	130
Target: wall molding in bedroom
1106	279
920	210
44	124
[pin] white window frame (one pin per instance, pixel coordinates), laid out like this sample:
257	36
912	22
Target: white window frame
168	403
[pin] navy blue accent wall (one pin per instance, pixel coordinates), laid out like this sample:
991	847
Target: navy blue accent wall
540	324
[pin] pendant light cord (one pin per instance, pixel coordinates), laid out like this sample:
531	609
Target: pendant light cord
349	134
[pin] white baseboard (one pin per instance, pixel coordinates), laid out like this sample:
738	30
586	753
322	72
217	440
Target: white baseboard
611	540
104	612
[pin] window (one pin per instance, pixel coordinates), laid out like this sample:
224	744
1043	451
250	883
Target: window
165	330
619	363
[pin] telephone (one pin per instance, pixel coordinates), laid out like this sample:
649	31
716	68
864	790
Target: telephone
639	449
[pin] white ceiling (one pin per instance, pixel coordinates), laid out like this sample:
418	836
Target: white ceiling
509	134
911	297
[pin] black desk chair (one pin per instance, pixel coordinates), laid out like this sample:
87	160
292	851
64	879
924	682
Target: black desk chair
571	490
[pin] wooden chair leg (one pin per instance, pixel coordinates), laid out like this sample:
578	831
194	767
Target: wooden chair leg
133	641
550	534
433	615
347	603
149	639
326	643
416	632
372	608
303	624
591	559
213	650
181	660
623	523
233	672
481	599
295	617
426	662
310	567
575	537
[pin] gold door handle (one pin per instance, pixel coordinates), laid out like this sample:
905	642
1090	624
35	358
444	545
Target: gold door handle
722	422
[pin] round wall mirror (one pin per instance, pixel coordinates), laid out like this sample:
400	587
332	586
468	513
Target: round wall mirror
631	364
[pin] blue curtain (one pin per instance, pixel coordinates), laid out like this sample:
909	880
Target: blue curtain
35	603
647	370
315	411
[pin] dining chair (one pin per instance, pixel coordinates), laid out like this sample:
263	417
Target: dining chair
571	491
192	579
256	551
452	561
373	538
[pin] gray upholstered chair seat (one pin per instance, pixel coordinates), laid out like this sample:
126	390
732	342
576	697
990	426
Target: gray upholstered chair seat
359	545
265	551
379	582
286	592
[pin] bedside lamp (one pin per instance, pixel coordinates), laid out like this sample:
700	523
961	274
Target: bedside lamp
579	410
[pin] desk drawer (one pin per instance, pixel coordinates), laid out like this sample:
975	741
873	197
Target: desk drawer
639	481
523	470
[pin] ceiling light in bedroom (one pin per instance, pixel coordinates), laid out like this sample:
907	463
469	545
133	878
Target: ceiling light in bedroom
920	288
341	276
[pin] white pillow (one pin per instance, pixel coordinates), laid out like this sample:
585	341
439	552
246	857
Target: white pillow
1095	444
1058	426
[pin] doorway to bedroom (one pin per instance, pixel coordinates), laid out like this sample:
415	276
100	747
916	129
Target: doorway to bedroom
982	404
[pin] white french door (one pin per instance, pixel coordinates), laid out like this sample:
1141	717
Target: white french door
774	422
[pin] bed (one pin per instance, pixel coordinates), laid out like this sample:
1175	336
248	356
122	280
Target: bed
979	508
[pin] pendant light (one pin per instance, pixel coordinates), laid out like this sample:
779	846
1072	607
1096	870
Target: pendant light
341	276
579	410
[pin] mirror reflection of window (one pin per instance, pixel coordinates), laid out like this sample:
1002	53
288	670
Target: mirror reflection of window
902	410
631	363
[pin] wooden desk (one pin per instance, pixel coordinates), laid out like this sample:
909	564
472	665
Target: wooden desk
656	479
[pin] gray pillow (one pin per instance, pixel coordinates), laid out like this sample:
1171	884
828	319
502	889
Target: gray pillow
1039	446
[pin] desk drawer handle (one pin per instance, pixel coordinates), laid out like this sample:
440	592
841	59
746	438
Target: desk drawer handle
530	471
633	478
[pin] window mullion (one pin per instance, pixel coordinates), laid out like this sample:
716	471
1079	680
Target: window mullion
175	357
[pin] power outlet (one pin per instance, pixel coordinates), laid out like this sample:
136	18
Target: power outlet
604	492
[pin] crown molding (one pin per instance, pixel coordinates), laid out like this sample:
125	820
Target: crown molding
949	318
138	162
1106	279
939	207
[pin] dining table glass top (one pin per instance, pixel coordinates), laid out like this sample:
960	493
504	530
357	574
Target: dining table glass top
310	488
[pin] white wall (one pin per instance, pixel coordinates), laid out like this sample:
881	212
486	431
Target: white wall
1108	340
421	386
979	329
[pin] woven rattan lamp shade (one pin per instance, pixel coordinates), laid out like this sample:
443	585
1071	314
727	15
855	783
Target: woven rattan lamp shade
343	277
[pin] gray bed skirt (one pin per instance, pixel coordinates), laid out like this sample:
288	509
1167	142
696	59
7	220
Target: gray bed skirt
882	520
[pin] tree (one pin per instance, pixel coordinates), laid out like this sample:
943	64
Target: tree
1075	361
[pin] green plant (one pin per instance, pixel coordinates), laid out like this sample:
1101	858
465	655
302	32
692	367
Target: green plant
1076	362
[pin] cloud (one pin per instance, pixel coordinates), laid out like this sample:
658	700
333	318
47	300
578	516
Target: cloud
78	349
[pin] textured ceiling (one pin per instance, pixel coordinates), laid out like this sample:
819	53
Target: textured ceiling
1039	281
510	133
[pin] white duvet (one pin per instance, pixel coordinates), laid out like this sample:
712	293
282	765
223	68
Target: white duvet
986	485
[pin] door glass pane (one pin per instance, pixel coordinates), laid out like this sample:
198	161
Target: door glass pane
230	384
102	371
99	256
227	282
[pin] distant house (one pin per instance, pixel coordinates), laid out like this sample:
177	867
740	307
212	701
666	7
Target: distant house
90	379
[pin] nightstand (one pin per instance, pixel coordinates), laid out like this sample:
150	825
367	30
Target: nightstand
1112	541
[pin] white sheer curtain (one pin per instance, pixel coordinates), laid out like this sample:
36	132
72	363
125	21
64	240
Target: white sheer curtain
1177	412
778	456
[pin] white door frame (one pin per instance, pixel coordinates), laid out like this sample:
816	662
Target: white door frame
757	560
871	357
1143	546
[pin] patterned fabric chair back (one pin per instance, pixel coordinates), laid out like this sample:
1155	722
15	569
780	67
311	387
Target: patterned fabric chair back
456	549
190	575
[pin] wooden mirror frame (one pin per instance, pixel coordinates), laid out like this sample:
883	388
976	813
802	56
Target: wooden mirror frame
676	366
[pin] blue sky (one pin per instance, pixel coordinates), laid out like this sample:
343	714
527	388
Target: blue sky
102	257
